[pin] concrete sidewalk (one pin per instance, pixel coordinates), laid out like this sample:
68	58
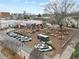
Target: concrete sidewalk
2	56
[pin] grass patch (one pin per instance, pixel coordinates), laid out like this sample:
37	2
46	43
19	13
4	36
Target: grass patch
75	55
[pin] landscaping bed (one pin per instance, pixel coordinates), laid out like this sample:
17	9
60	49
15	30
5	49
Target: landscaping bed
75	55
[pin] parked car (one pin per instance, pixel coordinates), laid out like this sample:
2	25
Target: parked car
42	37
39	46
26	39
12	34
43	47
23	38
19	37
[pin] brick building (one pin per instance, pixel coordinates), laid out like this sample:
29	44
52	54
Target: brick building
4	14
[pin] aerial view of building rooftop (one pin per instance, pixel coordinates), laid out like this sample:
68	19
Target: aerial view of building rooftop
42	29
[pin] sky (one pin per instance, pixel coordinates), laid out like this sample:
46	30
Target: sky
18	6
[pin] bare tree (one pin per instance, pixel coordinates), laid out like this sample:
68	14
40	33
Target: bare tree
60	9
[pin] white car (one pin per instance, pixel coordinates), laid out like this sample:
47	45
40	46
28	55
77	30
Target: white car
12	34
43	47
39	46
25	39
49	48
